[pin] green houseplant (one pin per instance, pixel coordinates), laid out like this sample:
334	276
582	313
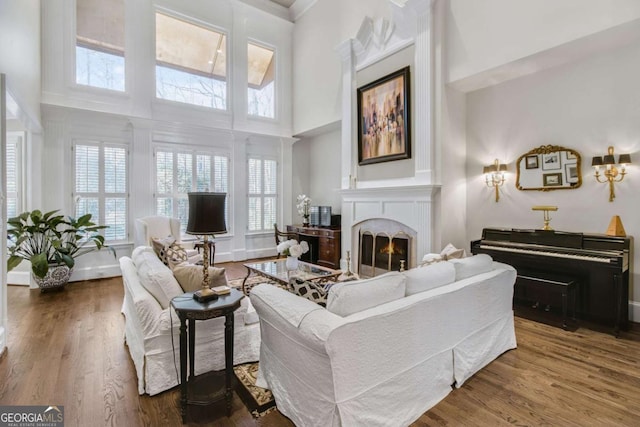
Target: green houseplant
52	242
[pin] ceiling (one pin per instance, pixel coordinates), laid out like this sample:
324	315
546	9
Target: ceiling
285	3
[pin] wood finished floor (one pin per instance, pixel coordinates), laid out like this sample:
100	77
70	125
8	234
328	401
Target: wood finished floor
66	348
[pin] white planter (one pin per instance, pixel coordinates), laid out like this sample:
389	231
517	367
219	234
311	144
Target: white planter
56	277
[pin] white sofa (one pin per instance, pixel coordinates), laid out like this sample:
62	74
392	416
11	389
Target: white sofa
384	364
152	326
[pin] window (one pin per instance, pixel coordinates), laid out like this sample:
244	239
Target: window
263	183
14	173
261	78
180	172
100	175
100	43
191	63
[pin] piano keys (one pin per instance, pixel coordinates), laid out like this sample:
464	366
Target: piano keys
599	264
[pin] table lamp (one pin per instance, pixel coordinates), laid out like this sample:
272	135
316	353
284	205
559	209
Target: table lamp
206	218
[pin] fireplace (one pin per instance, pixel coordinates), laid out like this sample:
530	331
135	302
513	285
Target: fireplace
381	252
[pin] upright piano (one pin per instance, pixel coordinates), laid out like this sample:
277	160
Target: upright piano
600	264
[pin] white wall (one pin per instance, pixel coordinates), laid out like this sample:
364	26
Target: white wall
317	88
586	106
20	55
486	34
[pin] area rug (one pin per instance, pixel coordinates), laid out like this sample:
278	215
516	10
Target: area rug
259	401
251	282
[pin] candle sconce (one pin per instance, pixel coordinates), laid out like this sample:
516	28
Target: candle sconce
494	176
613	172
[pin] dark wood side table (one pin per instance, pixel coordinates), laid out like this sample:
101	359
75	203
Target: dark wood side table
190	310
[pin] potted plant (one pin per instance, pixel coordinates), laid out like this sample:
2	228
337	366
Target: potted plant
51	242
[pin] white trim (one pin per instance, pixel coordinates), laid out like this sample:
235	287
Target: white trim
299	8
634	311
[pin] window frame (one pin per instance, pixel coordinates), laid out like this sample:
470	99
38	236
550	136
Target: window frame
73	63
175	195
102	195
275	81
268	228
208	26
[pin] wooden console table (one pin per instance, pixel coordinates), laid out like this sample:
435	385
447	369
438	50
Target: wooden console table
324	244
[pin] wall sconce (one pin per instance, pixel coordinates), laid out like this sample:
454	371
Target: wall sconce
494	176
611	173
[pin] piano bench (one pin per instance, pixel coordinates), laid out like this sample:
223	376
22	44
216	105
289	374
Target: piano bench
566	285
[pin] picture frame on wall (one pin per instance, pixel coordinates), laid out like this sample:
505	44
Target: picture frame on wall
384	129
552	179
571	173
551	161
532	162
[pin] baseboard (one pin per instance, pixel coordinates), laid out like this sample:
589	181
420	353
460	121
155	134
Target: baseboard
634	311
261	253
22	278
90	273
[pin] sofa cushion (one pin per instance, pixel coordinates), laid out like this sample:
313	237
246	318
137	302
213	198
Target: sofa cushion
189	276
467	267
429	277
309	290
351	297
169	251
156	277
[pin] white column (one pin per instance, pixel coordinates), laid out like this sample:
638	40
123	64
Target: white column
349	125
287	200
240	205
142	179
422	91
3	214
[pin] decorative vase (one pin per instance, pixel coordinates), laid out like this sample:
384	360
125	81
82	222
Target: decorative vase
57	276
305	221
292	263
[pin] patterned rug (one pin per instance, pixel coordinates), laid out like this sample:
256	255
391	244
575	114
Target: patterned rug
251	282
259	401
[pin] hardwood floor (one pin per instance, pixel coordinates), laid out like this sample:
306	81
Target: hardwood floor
66	348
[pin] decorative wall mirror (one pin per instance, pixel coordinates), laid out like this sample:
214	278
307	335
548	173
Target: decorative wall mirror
549	167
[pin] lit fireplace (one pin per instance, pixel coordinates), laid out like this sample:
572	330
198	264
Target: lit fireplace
381	253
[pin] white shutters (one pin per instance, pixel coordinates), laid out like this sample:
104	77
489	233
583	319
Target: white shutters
100	177
179	172
263	189
14	173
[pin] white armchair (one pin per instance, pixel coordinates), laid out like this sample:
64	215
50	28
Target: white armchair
158	227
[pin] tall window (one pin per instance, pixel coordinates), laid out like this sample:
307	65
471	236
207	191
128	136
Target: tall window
179	172
14	173
191	63
100	173
100	43
263	184
261	77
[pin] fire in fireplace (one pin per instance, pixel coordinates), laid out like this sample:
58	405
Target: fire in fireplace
381	253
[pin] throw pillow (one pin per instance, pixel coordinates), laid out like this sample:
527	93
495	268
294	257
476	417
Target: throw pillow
477	264
429	277
170	252
451	252
309	290
351	297
189	276
429	259
155	277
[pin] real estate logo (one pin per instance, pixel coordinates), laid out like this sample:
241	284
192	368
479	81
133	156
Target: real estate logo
31	416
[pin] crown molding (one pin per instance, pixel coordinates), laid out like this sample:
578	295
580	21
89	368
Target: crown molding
299	8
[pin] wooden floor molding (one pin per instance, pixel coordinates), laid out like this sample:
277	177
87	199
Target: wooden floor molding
66	348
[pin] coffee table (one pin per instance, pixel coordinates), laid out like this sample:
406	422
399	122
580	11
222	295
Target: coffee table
276	270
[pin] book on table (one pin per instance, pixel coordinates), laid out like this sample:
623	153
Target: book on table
221	290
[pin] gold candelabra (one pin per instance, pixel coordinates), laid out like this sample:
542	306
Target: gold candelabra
611	173
494	176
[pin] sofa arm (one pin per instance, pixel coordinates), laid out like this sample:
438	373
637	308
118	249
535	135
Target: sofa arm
299	319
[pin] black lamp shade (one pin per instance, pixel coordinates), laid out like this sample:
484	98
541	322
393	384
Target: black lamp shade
206	213
596	161
624	159
609	159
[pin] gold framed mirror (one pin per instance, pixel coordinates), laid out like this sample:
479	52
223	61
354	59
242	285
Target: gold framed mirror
549	167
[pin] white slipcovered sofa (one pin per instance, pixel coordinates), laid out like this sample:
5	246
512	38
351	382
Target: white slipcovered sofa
387	349
152	327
